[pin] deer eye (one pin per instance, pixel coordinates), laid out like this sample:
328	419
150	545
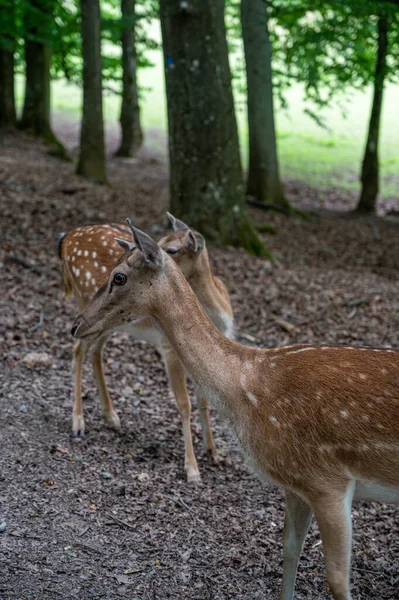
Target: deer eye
119	279
172	251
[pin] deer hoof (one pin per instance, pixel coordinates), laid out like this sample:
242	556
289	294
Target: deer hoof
193	475
212	455
78	426
112	419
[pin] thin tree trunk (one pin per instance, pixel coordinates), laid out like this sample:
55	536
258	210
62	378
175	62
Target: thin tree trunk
36	111
92	151
38	21
263	181
205	170
370	167
7	100
7	44
132	135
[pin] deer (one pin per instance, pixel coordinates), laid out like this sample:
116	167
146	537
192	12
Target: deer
89	254
320	421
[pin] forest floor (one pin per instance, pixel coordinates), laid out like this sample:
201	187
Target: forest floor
110	516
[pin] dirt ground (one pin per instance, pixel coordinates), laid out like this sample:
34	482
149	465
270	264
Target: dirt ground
110	516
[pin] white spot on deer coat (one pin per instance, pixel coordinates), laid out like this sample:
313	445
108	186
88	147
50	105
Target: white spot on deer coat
88	275
103	269
94	254
85	253
252	398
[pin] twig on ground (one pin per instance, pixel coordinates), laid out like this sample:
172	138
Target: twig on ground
120	522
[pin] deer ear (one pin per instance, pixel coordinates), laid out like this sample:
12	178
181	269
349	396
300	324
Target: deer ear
195	241
192	241
201	244
125	244
177	224
150	250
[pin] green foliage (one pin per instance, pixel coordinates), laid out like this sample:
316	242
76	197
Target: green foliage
330	46
56	23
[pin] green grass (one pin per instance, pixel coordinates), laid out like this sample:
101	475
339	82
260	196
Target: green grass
306	151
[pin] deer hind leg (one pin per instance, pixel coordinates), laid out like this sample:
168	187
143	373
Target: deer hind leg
108	411
177	380
298	516
207	436
78	354
333	515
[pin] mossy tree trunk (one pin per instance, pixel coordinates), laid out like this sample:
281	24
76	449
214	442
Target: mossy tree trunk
370	167
92	150
7	99
205	172
38	24
263	181
132	135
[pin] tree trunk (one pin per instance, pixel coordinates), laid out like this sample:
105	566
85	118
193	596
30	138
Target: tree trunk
132	135
370	167
92	151
263	181
7	32
38	23
205	170
7	101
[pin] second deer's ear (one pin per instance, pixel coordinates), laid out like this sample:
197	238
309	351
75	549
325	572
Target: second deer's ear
125	244
196	241
192	241
177	224
150	250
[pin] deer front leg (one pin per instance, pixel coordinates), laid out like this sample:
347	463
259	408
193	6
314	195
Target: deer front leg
298	516
333	515
207	436
177	380
108	411
78	354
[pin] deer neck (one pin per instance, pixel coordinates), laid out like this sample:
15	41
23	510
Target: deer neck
203	285
211	360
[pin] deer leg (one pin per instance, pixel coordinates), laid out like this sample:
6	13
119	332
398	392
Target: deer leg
207	436
78	354
333	515
298	516
177	380
109	414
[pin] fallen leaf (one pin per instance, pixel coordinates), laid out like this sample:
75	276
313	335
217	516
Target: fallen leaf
49	482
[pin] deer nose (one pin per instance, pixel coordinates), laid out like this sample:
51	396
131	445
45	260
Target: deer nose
75	328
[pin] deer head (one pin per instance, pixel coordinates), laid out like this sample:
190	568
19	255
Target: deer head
185	245
125	299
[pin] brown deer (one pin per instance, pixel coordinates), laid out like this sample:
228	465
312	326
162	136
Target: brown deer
320	421
89	255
